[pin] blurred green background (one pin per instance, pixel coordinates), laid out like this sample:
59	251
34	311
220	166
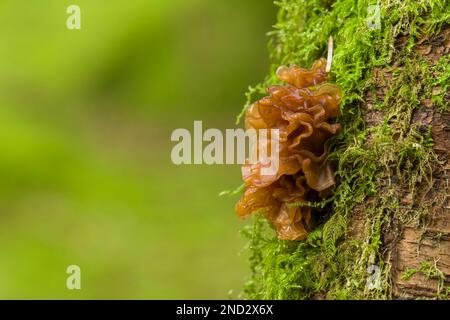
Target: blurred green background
85	123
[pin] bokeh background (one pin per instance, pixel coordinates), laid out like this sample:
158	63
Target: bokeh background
85	124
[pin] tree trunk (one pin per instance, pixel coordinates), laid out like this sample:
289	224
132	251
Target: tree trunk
385	232
422	250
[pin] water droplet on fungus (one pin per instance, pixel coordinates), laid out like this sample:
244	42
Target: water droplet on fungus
301	111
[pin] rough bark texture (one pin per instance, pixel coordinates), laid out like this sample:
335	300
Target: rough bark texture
408	245
431	243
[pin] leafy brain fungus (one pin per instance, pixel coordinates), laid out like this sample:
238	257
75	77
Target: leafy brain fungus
302	111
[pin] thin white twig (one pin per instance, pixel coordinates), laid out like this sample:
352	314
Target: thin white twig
330	54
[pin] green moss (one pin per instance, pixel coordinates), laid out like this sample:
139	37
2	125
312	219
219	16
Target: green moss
374	165
431	271
440	81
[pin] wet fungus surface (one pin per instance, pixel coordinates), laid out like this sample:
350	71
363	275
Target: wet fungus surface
303	112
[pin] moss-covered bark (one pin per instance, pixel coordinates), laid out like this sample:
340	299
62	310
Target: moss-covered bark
384	233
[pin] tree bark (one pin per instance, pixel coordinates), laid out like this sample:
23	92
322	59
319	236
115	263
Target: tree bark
408	246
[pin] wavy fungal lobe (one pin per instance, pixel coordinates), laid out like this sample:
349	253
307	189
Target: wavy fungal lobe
302	111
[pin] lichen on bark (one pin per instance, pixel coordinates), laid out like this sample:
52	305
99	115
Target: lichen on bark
384	233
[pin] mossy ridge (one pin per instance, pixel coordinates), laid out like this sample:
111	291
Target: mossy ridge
328	264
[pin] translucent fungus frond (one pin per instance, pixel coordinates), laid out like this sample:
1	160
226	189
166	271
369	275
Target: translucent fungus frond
302	111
